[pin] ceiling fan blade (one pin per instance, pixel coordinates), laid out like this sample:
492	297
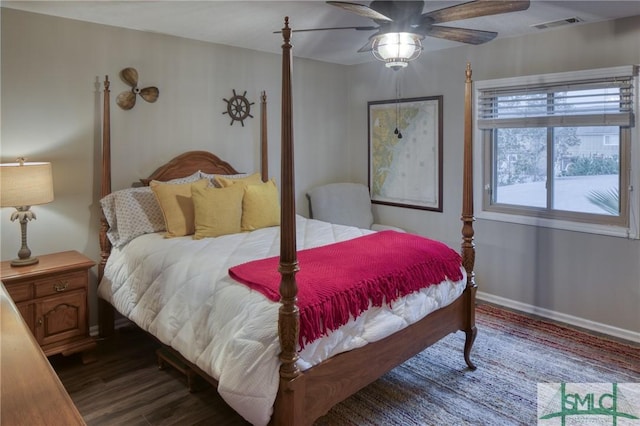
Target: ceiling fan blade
402	12
129	76
474	9
370	28
126	100
150	94
462	35
360	9
367	47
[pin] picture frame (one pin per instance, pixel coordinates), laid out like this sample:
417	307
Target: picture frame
405	152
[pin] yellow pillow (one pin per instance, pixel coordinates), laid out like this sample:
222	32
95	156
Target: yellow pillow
217	210
223	182
177	206
260	206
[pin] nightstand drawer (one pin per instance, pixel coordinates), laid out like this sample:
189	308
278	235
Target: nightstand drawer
20	292
60	284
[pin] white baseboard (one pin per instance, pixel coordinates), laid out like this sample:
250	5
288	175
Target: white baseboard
609	330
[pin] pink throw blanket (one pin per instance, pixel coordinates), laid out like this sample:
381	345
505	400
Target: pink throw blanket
340	280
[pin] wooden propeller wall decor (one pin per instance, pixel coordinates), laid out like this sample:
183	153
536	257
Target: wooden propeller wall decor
127	100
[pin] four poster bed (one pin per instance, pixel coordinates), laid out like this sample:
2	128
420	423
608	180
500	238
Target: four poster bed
256	349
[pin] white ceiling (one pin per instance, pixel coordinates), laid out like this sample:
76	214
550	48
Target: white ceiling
250	24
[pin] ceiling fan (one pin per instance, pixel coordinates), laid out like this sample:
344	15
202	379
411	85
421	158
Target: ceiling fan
407	17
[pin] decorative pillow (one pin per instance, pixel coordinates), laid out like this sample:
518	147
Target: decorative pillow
223	182
212	177
260	206
130	213
137	213
218	211
177	207
108	204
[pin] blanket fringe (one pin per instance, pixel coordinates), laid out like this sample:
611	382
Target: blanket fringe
320	319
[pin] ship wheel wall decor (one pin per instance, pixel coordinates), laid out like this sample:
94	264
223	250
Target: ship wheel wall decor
127	100
238	108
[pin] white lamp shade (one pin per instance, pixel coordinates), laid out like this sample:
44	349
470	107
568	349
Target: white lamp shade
25	184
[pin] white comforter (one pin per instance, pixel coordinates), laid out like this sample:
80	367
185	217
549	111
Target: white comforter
179	290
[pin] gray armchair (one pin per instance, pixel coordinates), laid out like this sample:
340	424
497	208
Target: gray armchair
345	204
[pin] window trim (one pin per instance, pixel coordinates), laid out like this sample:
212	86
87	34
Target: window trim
630	175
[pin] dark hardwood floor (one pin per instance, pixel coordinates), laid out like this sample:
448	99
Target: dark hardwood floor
125	387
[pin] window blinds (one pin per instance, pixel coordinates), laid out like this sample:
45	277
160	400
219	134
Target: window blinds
605	100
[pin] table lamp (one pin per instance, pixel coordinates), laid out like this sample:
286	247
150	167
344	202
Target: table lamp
23	185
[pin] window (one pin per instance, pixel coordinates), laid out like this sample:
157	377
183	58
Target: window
556	150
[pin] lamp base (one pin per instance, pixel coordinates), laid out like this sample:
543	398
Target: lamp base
25	262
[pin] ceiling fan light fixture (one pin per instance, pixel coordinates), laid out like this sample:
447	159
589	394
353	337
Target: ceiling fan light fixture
397	49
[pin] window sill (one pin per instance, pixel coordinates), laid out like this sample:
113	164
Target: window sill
612	231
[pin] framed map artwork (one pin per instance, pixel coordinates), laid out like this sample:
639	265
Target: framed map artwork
405	152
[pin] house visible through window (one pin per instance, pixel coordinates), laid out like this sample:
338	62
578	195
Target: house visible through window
558	147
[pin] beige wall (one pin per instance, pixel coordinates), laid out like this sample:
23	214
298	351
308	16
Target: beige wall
52	71
588	277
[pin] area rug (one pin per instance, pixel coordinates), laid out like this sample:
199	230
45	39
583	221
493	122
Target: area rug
513	353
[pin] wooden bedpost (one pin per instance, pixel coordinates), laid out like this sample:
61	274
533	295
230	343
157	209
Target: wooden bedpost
105	311
468	246
288	322
264	153
289	405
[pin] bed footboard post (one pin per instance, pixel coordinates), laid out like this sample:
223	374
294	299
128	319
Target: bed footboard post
288	409
289	315
468	246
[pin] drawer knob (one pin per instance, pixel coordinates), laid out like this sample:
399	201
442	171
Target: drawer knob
61	286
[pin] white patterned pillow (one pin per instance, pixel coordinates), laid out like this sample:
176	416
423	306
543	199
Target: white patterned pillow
108	204
137	213
130	213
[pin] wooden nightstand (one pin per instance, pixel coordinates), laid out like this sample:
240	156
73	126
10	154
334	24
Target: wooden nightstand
52	298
